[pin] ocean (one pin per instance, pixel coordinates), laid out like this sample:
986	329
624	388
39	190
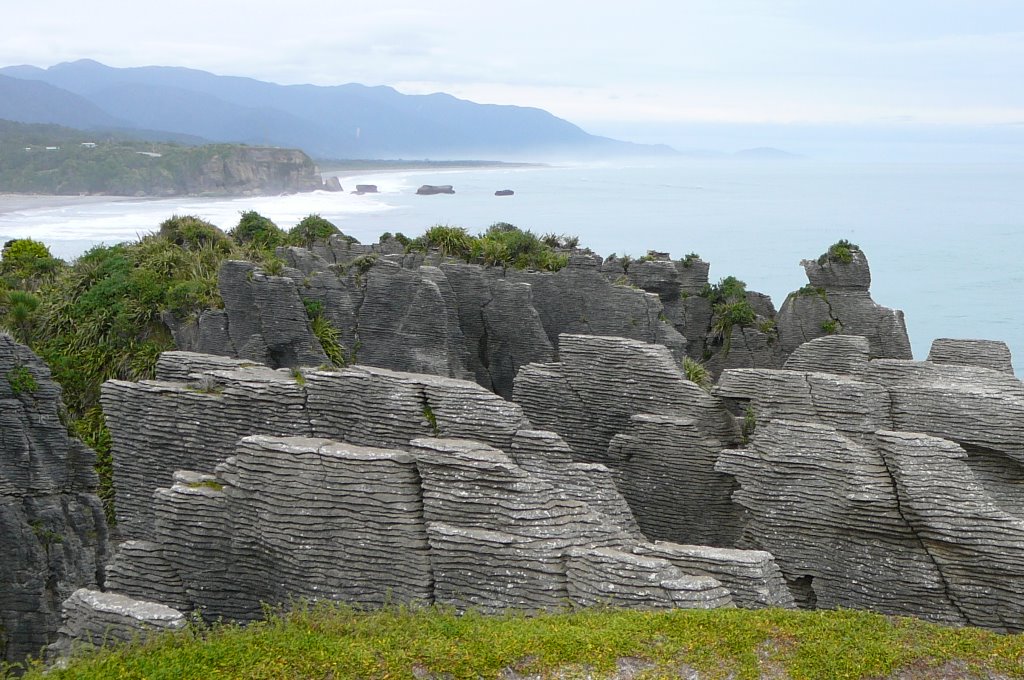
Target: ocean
945	241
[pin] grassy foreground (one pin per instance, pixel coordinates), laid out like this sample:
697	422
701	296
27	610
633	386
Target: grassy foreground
330	641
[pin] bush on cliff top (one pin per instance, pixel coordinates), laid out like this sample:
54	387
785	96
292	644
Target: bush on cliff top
332	641
502	245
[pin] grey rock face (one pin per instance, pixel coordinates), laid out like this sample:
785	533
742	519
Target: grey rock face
53	535
752	577
189	426
838	300
442	493
625	404
895	488
401	312
611	577
981	353
840	531
97	618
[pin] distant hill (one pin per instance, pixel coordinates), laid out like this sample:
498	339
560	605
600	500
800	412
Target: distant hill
33	101
343	121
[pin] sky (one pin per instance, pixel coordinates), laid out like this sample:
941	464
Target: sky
650	70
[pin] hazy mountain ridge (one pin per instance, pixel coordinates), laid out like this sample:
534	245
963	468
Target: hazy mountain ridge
343	121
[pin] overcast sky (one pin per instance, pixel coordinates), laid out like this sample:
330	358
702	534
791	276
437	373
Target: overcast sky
603	65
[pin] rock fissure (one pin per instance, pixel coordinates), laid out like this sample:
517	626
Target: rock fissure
948	592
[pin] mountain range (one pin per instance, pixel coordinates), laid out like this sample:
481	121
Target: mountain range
342	121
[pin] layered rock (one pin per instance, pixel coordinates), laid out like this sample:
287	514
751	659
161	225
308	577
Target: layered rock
837	300
53	535
627	405
418	312
894	488
96	618
441	492
981	353
190	426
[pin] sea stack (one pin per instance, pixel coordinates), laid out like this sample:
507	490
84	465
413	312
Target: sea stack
504	192
431	189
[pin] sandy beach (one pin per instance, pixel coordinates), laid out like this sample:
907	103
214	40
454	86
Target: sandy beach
10	203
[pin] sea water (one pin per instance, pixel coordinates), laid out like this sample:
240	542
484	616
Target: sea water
945	241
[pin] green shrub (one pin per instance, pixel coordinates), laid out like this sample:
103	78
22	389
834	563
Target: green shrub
258	231
325	332
26	264
830	326
841	251
690	259
17	313
22	381
310	230
193	233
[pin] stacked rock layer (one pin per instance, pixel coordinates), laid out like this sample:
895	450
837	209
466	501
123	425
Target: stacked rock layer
402	488
53	536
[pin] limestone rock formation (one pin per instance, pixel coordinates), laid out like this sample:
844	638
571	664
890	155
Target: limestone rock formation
626	404
412	488
366	189
53	535
333	183
837	301
416	313
886	484
98	618
982	353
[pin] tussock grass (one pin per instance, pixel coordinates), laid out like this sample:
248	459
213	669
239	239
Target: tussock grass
331	641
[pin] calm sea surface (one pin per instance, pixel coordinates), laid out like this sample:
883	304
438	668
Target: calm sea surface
945	242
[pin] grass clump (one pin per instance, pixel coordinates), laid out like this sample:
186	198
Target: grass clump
841	252
325	332
333	641
697	373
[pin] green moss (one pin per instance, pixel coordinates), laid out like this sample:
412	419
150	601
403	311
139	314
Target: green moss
830	326
428	415
207	484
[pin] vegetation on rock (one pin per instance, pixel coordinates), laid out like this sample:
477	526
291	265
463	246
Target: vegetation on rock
730	308
841	251
502	245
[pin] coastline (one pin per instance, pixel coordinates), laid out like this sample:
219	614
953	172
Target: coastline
11	203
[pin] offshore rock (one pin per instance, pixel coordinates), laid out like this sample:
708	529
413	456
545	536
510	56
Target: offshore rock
53	535
432	189
837	301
